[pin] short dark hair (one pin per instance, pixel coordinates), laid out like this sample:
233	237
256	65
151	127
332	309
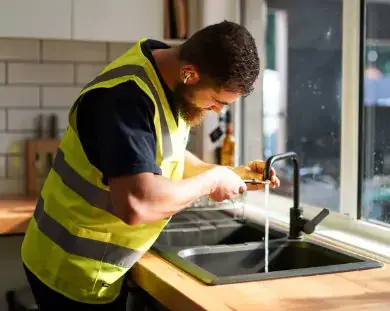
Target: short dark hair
225	53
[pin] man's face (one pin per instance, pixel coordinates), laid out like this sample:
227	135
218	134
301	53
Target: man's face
194	101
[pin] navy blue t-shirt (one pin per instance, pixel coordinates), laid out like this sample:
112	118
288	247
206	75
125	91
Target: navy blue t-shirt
116	127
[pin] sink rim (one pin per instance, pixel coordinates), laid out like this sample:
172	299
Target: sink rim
172	255
254	245
159	247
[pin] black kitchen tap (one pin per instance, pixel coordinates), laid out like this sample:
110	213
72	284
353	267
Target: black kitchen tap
298	224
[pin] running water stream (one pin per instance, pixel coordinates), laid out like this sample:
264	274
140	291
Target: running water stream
266	197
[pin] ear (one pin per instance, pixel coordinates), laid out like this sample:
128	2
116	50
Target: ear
189	75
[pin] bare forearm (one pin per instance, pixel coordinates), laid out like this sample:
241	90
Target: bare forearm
155	197
147	197
166	198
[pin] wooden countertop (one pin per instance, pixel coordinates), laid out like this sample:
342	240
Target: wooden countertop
352	291
15	214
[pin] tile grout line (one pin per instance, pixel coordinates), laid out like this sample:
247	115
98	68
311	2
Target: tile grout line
40	96
29	108
12	155
6	72
54	62
40	52
107	52
6	170
74	74
26	84
6	119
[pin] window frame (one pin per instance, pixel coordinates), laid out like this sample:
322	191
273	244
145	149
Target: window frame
350	158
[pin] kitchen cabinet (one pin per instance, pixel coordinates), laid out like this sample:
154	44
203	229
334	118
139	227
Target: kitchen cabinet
35	19
89	20
93	20
119	20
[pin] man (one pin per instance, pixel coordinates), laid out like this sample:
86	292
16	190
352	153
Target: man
122	170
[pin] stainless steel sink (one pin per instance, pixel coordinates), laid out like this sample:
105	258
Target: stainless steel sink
216	249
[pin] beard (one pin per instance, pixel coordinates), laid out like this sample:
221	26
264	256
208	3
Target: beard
188	110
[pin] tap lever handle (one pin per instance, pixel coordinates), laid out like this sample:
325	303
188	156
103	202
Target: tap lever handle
311	225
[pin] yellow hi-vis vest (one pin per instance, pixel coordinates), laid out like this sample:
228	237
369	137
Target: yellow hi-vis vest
74	243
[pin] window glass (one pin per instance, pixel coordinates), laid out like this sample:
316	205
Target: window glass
301	95
375	107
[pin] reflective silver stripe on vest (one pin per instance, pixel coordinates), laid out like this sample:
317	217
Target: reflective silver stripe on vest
95	196
97	250
139	71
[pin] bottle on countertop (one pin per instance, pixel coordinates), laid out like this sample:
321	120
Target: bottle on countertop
228	150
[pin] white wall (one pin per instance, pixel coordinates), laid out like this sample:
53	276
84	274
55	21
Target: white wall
213	11
40	76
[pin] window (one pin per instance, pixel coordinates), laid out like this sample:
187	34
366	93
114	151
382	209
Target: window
301	107
325	95
375	107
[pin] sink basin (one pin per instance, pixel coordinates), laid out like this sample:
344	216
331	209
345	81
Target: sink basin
287	258
211	228
214	235
217	249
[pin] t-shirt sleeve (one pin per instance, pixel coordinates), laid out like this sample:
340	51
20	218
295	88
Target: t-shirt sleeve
126	138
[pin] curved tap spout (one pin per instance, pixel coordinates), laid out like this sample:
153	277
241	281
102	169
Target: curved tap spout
298	224
285	156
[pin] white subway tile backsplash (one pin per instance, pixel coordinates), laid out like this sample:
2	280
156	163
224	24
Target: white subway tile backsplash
19	49
12	186
74	51
19	119
117	49
41	77
19	96
13	143
33	73
2	72
59	96
87	72
3	120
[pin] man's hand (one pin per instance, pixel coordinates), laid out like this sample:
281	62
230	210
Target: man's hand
252	170
227	185
255	170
